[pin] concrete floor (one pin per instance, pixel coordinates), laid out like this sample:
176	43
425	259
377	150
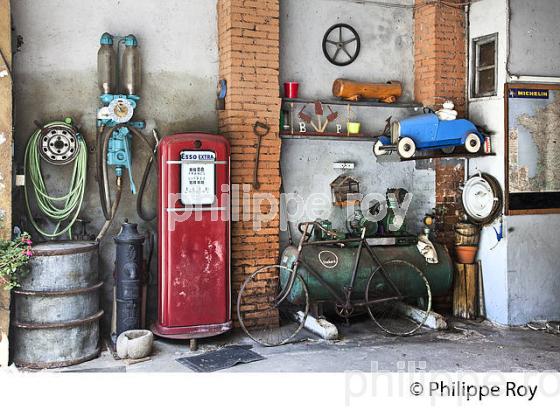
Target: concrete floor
467	346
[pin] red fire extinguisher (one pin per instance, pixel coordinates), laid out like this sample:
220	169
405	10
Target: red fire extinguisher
194	237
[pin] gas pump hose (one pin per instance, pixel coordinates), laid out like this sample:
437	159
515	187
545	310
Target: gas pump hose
102	180
50	205
147	169
113	210
109	210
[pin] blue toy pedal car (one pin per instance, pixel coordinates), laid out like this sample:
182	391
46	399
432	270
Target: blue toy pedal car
427	131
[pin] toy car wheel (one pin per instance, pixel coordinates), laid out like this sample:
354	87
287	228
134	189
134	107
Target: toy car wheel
406	147
472	143
378	149
448	150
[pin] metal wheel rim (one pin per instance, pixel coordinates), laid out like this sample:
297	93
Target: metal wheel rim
306	312
59	134
498	198
332	59
428	310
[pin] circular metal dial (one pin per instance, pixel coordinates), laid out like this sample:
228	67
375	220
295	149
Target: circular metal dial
341	44
121	110
59	145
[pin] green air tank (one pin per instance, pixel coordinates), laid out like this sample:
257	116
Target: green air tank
335	265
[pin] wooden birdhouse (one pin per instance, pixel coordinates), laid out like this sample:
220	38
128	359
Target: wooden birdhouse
345	191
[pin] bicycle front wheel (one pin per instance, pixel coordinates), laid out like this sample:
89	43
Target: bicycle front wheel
398	298
264	319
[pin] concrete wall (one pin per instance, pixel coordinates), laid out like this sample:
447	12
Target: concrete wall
387	54
307	168
534	38
56	77
533	268
386	37
521	276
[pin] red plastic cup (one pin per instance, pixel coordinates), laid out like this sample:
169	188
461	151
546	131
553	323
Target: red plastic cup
291	89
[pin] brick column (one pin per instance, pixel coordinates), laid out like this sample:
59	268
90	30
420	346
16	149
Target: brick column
249	62
440	73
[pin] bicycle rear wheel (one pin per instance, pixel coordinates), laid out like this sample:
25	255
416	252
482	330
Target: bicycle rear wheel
412	289
263	319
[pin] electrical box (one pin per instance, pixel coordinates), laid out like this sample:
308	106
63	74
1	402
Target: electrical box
194	236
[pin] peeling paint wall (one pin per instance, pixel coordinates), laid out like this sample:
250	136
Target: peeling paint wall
56	77
386	37
5	162
307	168
6	86
534	38
488	17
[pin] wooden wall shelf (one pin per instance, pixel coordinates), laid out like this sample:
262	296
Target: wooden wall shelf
331	101
325	136
453	155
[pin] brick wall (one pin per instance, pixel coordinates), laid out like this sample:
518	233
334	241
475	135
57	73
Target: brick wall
441	74
249	61
449	176
440	71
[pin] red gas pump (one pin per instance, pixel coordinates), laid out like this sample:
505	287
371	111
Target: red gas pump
194	237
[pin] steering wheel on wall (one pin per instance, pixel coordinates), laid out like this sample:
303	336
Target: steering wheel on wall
341	44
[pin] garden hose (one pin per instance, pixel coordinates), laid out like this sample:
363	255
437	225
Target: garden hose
59	209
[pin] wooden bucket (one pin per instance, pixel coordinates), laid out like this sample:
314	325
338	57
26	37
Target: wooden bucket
466	234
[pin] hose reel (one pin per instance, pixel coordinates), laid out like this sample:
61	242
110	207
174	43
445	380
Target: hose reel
59	143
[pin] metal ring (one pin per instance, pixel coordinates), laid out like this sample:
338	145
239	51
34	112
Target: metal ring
85	247
56	293
62	325
55	365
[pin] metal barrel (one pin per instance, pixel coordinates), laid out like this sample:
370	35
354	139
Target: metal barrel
335	266
57	306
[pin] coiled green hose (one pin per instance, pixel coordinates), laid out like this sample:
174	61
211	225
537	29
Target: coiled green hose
57	209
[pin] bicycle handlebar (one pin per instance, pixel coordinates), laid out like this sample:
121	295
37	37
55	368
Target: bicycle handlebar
315	225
